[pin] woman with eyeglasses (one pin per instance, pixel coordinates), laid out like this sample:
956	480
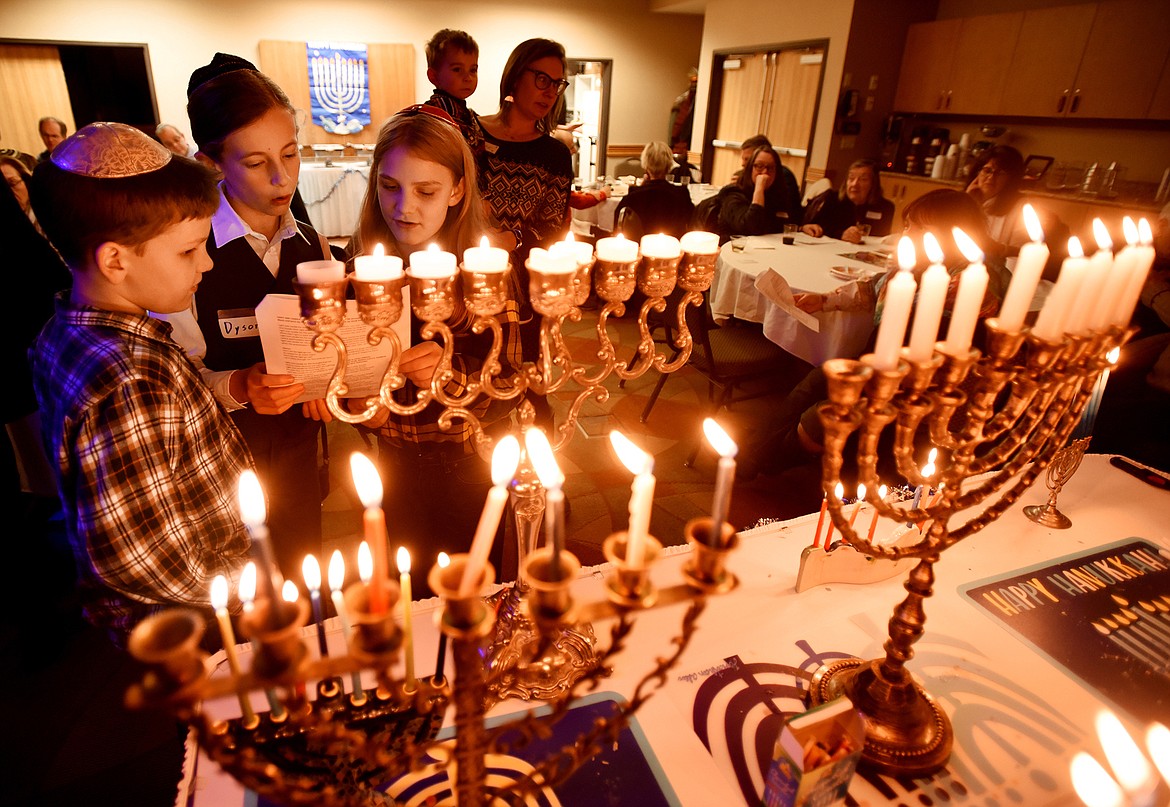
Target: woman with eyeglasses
762	200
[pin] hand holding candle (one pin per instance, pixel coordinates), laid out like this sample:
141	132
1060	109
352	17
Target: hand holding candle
407	629
369	490
505	458
540	454
724	477
641	465
219	599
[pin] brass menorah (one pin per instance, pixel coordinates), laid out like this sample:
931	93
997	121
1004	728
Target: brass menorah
996	419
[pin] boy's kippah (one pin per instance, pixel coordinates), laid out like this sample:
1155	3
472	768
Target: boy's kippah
220	63
110	151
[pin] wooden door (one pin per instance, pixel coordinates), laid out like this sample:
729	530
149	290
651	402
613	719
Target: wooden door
926	66
982	56
1160	106
741	110
1122	61
791	104
32	85
1044	66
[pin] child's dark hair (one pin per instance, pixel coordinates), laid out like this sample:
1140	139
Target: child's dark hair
448	38
228	102
80	213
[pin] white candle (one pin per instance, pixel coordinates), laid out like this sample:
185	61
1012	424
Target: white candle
505	458
1143	260
659	245
932	294
219	599
377	267
582	252
969	300
641	465
369	490
618	249
1125	263
1093	785
858	503
561	263
253	513
407	628
1133	771
320	271
1082	314
431	262
700	242
1025	277
896	310
247	593
540	454
311	570
336	583
1051	321
485	258
726	448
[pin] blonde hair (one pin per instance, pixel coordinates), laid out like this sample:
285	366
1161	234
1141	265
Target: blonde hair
657	158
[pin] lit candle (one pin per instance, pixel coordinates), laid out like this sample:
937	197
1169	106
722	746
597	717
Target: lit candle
618	249
699	242
431	262
377	267
581	251
932	294
253	514
561	263
219	599
927	472
1026	275
873	524
444	561
336	584
485	258
858	503
320	271
365	562
726	448
969	299
821	520
838	493
641	464
1144	259
1050	324
407	629
1134	773
1124	265
1089	417
659	245
896	310
247	593
540	454
290	594
1093	785
369	490
505	458
1158	743
1089	297
312	572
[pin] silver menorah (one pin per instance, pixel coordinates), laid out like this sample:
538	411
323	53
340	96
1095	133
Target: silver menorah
339	85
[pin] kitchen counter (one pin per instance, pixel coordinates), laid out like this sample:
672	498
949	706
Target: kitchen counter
1141	204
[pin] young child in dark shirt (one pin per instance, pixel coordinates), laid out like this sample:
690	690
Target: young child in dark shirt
453	67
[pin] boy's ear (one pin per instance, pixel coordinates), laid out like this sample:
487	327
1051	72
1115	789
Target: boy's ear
457	193
109	261
431	76
207	161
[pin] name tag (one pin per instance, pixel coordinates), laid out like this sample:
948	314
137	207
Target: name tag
873	214
238	323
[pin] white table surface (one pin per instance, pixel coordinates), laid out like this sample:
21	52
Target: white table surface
603	214
333	195
805	265
1018	717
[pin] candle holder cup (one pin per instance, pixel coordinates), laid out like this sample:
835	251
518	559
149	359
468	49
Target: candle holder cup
615	281
552	293
581	282
432	298
484	293
630	585
696	271
705	571
322	304
169	644
279	649
551	603
379	301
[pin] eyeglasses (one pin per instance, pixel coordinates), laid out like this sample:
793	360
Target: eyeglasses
543	80
764	167
991	170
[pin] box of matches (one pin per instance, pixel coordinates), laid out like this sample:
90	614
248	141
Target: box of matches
815	756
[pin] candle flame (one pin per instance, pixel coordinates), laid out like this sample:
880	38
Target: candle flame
724	446
311	570
635	459
540	454
403	558
1101	235
365	479
967	246
365	562
1130	230
932	456
906	256
1145	234
569	237
1075	250
379	251
1032	224
444	560
1094	786
219	592
861	492
289	592
1158	743
251	496
433	248
505	458
1113	355
882	491
1129	765
336	571
931	247
484	243
247	585
838	491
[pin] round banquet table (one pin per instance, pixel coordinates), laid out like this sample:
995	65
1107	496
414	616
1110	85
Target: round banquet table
333	195
603	215
806	266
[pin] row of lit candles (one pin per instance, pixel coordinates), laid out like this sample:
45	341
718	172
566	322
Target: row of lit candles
561	257
1090	294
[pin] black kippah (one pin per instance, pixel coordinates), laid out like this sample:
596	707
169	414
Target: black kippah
221	63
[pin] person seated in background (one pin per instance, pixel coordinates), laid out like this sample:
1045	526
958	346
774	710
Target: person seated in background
683	172
659	206
764	198
173	138
52	131
856	210
17	175
746	149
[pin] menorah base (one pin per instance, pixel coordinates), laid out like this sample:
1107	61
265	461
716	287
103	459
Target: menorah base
1046	515
906	733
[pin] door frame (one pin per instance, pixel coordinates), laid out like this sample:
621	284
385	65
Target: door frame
603	117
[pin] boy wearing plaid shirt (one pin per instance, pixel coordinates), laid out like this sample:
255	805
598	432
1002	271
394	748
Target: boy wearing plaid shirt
146	462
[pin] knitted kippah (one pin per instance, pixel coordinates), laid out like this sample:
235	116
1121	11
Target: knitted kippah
221	63
110	151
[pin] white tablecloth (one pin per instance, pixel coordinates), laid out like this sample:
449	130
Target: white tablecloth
1018	717
805	265
333	195
602	215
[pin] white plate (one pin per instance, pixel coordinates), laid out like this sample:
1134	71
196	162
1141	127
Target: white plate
848	272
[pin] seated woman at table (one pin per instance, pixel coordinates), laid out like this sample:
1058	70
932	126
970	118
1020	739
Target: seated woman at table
659	206
856	210
763	200
797	437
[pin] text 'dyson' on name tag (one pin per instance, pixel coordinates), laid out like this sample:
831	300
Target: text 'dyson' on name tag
238	323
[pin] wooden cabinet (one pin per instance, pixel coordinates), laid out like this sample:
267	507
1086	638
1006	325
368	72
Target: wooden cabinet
926	66
902	190
1043	68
